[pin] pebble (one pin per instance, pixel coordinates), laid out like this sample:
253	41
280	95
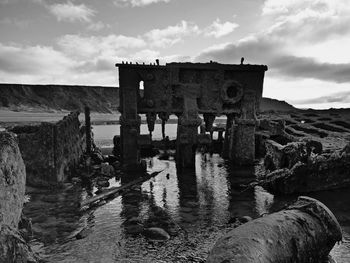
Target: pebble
245	219
83	233
156	234
102	182
76	180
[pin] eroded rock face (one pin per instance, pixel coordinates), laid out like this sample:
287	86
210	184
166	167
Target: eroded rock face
12	180
13	247
318	172
286	156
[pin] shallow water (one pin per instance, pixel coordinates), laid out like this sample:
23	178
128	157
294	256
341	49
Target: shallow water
195	207
103	134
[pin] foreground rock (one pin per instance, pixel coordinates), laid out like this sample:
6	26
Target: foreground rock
12	180
304	232
156	234
13	247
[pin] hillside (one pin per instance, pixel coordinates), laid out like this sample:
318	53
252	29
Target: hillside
19	97
268	104
58	97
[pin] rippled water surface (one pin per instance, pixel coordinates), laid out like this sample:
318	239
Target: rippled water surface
195	207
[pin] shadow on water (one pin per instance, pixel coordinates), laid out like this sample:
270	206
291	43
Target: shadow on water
194	206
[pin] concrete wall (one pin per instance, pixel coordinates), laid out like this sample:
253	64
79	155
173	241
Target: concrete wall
50	150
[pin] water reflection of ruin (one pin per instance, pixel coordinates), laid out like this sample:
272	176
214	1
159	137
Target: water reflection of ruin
186	90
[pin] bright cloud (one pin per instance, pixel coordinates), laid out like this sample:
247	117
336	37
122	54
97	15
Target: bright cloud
171	34
219	29
308	21
34	64
110	45
97	26
294	25
136	3
71	12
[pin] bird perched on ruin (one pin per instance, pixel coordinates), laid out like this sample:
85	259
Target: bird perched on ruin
242	60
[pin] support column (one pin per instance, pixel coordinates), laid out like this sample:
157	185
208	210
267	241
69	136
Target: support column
129	121
187	131
243	138
226	147
164	116
129	133
209	119
151	119
88	130
243	142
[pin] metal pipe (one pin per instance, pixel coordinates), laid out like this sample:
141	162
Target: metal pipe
306	231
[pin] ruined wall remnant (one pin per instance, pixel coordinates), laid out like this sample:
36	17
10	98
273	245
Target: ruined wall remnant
186	90
306	231
49	150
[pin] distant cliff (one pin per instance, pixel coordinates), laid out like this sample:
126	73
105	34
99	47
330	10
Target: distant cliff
58	97
100	99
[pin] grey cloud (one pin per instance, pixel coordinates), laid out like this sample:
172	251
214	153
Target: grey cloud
264	51
339	97
303	67
98	65
259	50
12	64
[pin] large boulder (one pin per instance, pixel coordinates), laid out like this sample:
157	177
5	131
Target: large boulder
12	180
13	247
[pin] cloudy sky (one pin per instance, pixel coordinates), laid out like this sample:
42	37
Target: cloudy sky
305	43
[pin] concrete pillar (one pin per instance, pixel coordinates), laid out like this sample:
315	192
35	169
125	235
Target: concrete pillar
88	130
151	119
209	119
164	116
243	142
187	131
226	146
129	121
243	138
220	136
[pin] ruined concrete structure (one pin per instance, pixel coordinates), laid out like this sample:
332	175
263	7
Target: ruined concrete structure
49	150
187	90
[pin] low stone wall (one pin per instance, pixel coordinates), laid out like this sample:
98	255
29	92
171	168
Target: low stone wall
50	150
